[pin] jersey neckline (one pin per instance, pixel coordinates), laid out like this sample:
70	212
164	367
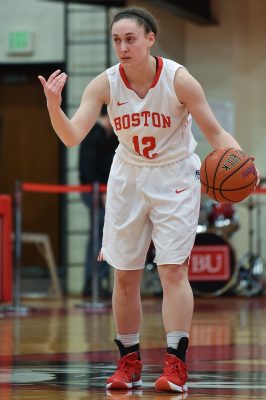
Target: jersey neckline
156	77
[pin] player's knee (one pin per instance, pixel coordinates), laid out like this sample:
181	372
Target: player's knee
173	274
125	282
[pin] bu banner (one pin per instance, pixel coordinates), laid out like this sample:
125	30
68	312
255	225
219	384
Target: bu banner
210	263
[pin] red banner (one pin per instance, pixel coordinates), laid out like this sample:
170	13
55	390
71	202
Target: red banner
5	248
209	263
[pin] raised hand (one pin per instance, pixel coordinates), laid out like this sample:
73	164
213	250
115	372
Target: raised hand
53	87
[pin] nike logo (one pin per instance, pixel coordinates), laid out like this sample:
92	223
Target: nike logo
120	104
181	190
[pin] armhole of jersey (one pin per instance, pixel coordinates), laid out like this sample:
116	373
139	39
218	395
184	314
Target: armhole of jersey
110	89
179	67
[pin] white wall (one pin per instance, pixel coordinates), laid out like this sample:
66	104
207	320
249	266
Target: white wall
44	19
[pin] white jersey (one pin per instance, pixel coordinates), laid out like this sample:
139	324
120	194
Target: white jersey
155	130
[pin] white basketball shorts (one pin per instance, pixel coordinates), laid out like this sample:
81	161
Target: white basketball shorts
151	203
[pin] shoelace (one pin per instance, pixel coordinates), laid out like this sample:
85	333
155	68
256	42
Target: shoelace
175	368
125	367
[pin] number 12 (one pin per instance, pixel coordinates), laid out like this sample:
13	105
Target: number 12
148	144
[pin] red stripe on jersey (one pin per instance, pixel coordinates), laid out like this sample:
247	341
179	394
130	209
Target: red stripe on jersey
155	80
158	72
123	76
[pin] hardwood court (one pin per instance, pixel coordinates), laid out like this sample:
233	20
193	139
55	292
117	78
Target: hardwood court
60	351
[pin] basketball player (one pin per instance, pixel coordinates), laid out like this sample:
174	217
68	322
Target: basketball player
153	188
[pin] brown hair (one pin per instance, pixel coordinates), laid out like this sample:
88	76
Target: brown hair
141	16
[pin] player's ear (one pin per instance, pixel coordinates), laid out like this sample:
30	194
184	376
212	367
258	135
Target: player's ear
151	39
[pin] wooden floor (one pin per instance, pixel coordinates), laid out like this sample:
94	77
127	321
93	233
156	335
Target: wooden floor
60	351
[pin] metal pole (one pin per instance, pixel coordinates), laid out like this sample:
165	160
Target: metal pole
95	304
251	225
16	307
17	263
95	241
258	226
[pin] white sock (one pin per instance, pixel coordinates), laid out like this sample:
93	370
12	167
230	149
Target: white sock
174	337
128	340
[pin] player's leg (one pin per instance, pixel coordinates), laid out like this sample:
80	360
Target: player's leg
126	301
175	219
177	310
176	291
127	315
126	239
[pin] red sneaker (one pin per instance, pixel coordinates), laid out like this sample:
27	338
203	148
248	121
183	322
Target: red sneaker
127	374
174	375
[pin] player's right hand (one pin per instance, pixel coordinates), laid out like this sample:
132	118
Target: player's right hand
53	87
258	174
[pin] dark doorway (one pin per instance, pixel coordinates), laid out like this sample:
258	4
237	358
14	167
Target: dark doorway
29	151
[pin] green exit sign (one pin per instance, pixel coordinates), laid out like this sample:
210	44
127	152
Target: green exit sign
20	42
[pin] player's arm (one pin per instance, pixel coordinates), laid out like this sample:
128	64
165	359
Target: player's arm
190	93
72	131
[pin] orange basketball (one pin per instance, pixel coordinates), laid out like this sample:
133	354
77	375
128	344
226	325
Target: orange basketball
228	175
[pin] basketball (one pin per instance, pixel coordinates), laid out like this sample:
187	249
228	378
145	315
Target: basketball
228	175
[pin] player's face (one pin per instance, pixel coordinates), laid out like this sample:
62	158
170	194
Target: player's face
131	43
